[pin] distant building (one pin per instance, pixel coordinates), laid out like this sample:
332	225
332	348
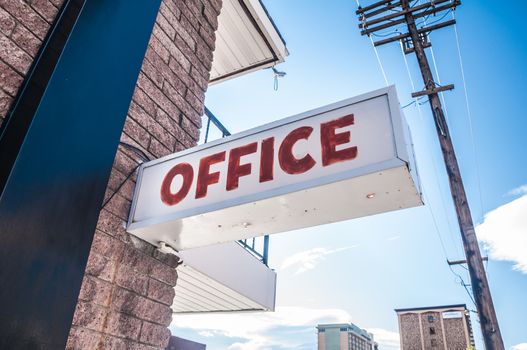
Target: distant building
344	336
177	343
435	328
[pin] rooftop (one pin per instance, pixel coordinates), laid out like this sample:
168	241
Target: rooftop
456	306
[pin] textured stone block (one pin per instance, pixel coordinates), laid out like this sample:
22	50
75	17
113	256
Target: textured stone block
23	13
155	334
9	79
7	22
14	55
90	316
106	245
82	339
45	8
112	225
161	292
123	326
96	291
159	150
164	274
137	260
101	267
129	278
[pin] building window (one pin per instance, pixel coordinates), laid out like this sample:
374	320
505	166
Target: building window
343	329
430	318
432	330
321	330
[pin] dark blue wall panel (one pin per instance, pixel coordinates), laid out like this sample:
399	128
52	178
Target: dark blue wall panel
55	177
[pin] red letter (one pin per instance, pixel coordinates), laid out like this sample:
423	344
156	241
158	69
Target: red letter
267	160
288	162
236	170
183	169
205	178
330	140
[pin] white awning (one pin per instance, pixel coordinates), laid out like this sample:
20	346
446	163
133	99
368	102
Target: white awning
246	40
223	277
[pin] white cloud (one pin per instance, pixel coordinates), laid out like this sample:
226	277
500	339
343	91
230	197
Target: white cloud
504	231
518	191
385	338
522	346
206	334
286	328
256	329
308	260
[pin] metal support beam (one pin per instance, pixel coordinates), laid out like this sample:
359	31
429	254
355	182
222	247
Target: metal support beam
61	138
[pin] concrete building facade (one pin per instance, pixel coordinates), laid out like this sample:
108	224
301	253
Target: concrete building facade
439	327
345	336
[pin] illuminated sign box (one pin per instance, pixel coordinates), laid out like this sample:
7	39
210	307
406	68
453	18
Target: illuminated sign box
346	160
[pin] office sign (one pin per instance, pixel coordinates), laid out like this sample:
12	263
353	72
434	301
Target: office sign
346	160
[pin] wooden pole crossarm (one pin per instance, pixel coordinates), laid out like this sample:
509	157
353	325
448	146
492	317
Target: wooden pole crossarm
381	10
372	6
460	262
417	15
433	91
422	30
398	14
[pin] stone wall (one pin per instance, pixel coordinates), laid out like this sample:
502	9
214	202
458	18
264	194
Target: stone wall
456	337
129	285
127	290
23	26
432	330
410	332
435	330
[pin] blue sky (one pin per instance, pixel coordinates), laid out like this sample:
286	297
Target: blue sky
361	270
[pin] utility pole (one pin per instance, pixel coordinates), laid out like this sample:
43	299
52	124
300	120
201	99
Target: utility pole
374	18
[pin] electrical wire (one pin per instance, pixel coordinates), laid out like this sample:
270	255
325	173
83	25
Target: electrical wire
379	60
425	19
120	185
144	158
441	95
383	35
469	114
376	54
462	283
415	102
471	130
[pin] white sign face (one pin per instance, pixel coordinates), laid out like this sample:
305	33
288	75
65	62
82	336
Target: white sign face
452	314
242	186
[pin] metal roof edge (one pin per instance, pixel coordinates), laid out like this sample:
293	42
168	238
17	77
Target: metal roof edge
273	23
432	308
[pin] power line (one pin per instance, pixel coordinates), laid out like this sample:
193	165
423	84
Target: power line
420	41
376	54
442	95
469	114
